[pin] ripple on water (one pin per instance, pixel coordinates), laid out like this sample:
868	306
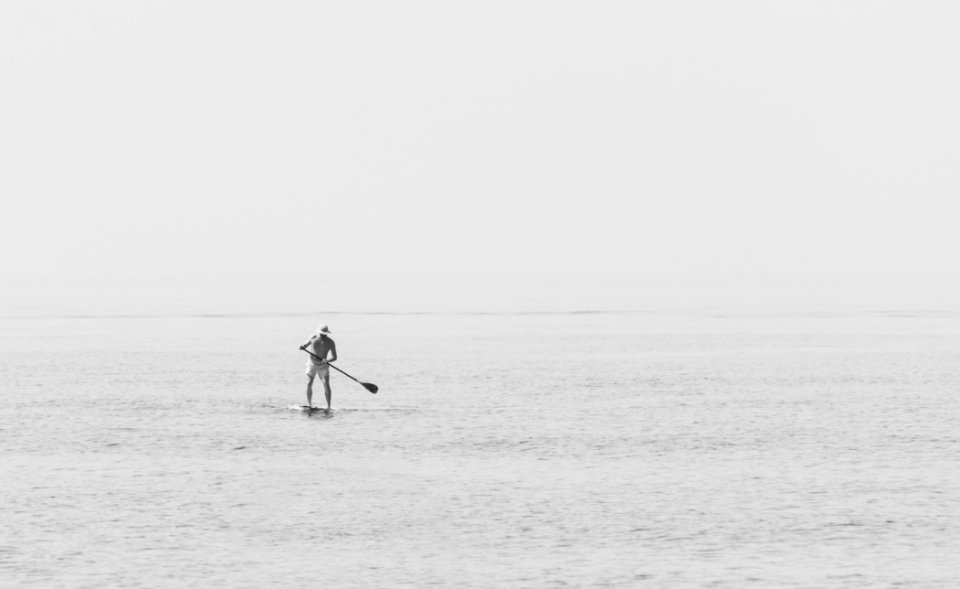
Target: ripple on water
610	455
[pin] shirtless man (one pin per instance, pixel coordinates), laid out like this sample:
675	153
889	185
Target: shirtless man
320	345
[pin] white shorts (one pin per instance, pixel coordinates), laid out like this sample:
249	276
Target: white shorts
314	370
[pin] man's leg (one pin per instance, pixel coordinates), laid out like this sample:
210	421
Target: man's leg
326	389
310	390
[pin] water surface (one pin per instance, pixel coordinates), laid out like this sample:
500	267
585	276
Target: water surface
709	447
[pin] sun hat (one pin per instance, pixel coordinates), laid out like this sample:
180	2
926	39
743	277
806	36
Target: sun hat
322	330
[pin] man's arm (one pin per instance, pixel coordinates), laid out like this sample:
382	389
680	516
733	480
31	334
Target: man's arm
333	351
309	341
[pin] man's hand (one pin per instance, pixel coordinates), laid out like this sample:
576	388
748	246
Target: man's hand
303	347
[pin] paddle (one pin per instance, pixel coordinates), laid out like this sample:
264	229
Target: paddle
369	386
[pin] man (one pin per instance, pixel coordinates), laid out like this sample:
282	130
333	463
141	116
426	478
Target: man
320	345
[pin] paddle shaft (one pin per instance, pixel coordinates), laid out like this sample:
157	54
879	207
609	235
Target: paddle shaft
331	365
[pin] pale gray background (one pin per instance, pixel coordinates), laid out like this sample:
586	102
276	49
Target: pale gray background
788	150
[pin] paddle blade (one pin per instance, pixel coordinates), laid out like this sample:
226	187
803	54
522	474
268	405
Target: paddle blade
370	387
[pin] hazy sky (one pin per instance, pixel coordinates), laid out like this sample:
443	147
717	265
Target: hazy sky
380	139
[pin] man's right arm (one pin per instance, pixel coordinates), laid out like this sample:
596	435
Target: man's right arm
308	342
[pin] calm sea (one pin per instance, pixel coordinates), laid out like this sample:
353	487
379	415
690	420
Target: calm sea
668	447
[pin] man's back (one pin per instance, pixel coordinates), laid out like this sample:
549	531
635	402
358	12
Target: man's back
321	347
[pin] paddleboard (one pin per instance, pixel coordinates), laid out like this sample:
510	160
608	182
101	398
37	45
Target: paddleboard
311	410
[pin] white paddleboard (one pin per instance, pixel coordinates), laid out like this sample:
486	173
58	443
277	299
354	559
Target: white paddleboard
311	410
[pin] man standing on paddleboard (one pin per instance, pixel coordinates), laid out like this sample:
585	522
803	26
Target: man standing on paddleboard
319	346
